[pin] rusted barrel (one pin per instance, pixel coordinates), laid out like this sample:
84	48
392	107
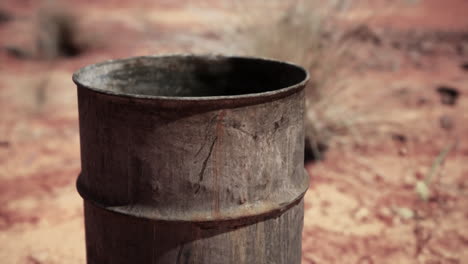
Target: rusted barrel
192	159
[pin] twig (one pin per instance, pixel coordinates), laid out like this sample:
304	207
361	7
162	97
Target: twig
438	162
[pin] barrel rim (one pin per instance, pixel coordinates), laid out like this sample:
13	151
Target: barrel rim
278	93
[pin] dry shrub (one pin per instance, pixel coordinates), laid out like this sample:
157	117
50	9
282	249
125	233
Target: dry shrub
58	33
301	32
309	33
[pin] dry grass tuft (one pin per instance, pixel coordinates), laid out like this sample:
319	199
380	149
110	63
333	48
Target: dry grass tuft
306	32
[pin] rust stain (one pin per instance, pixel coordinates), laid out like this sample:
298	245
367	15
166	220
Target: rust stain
218	161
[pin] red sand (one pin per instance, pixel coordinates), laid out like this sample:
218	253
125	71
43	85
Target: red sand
361	207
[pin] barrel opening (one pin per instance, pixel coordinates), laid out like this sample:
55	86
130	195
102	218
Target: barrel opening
190	76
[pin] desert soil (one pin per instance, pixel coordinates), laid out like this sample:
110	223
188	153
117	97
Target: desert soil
362	206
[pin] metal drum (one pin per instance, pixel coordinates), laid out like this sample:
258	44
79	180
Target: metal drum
192	159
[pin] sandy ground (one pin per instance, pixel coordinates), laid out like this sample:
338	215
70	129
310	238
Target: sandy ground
362	206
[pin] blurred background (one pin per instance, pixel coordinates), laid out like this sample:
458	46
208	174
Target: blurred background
387	114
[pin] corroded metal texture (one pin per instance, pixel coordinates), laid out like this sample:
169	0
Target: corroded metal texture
196	152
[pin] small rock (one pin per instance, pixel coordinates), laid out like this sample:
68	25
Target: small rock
420	173
405	213
362	214
448	94
399	137
386	212
409	180
385	215
446	122
422	190
402	152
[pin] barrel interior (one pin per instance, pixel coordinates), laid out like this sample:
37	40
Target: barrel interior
190	76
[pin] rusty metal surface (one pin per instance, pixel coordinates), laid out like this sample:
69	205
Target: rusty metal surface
192	138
